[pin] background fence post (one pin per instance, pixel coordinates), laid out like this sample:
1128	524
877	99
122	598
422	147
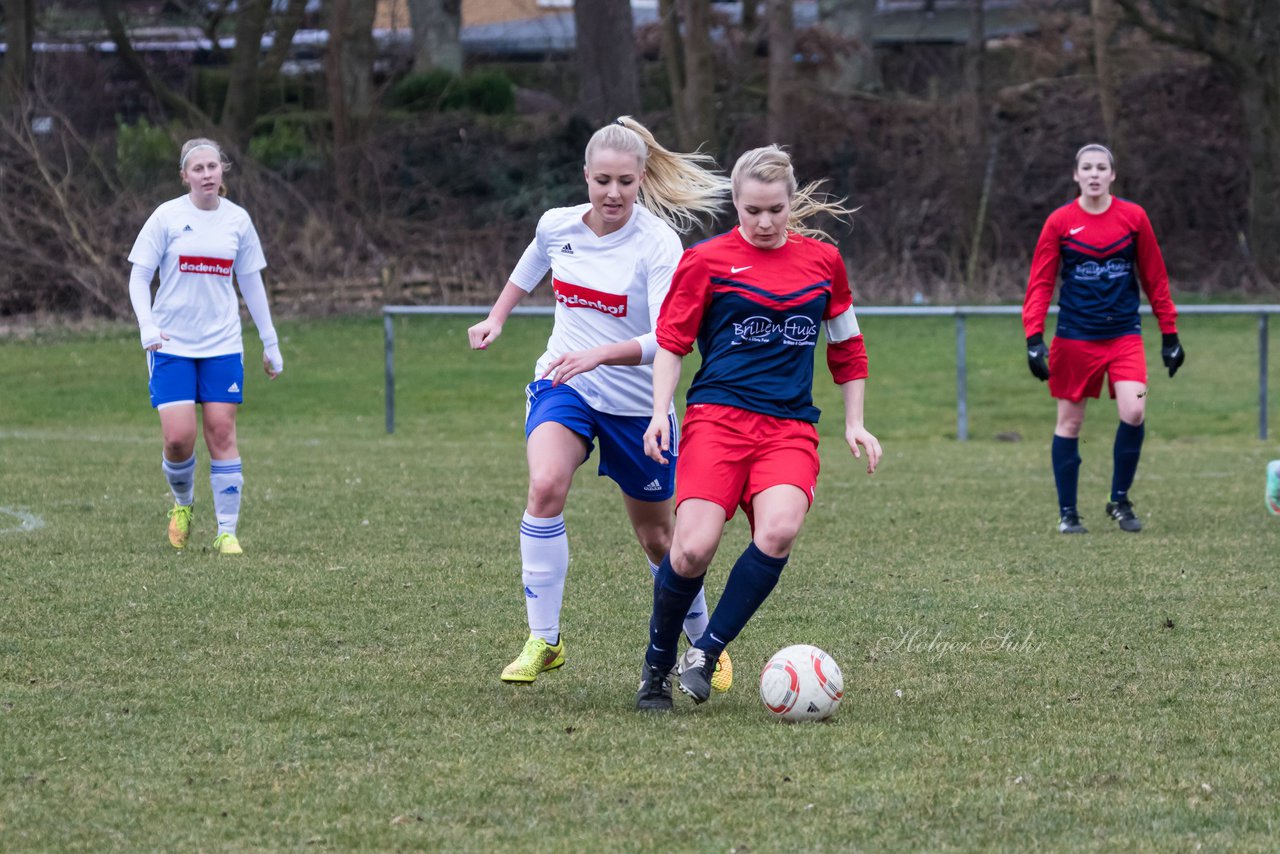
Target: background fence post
389	335
1262	375
962	379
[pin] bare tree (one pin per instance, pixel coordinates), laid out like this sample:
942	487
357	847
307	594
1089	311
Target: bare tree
249	70
782	48
1104	19
175	102
349	72
1241	38
686	50
20	22
853	20
437	27
608	83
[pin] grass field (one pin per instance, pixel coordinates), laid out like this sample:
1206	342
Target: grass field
336	688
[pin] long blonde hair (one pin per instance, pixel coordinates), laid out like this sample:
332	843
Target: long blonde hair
679	188
770	164
201	142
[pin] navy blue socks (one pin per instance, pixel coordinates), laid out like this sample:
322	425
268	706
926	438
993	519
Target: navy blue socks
1066	471
751	580
1128	449
672	596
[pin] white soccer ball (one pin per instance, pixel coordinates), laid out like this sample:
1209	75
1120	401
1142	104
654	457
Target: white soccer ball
801	683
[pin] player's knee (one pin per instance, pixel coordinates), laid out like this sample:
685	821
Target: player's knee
179	448
1068	428
776	539
655	539
692	560
1133	415
546	495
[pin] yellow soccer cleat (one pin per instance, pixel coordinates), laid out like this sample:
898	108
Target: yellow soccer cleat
722	679
538	656
180	525
227	544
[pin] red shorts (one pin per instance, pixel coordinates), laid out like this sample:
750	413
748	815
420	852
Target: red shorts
1076	367
730	455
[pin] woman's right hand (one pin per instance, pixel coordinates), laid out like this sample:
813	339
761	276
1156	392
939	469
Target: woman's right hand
657	439
484	333
153	338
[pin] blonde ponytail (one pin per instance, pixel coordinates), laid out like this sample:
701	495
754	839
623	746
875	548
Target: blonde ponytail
679	188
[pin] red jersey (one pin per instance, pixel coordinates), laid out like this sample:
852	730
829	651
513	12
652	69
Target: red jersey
755	315
1103	259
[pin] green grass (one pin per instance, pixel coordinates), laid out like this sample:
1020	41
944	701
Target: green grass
336	688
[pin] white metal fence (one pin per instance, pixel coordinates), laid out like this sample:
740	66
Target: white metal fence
959	312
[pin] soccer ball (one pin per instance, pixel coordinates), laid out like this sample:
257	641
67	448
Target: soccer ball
801	683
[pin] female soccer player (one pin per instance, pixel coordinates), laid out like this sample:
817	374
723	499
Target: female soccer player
753	299
192	332
611	262
1105	248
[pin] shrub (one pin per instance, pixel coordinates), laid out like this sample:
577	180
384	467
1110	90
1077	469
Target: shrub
144	154
283	143
423	92
488	92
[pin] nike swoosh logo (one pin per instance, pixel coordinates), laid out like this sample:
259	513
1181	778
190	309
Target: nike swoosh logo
739	269
1077	228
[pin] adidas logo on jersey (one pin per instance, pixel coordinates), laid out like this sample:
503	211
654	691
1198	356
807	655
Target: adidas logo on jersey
566	249
234	387
187	228
652	486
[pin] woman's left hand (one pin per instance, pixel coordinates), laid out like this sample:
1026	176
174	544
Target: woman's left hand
272	361
859	435
571	364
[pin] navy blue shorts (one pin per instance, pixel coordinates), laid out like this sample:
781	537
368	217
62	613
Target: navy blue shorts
180	379
621	438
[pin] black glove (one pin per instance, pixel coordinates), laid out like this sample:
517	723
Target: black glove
1038	357
1172	353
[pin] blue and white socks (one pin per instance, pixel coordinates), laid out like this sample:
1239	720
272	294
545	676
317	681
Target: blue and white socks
227	480
544	557
181	478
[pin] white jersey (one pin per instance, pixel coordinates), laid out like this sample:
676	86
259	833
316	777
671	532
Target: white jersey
607	289
196	252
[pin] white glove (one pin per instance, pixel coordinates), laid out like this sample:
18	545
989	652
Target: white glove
151	336
272	352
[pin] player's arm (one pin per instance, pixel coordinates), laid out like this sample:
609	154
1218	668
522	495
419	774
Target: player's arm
666	376
140	295
1035	306
1155	283
675	330
487	331
855	431
255	299
846	351
530	270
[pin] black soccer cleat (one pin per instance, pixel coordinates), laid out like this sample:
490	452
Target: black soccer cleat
1070	524
654	694
1122	512
696	670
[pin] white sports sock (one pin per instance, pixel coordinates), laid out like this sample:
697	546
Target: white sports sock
544	554
695	622
182	479
228	482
